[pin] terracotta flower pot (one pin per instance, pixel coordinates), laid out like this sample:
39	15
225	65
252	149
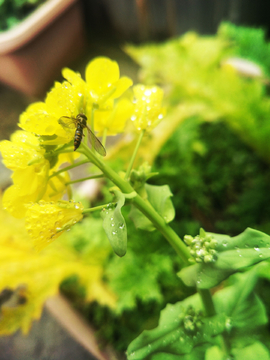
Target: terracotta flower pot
33	52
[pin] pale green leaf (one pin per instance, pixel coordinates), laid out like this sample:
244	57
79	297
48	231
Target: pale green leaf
115	226
160	198
233	253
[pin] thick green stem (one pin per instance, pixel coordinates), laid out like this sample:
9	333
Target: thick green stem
134	154
210	310
144	207
207	301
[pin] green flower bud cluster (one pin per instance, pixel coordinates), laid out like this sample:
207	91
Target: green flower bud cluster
139	177
202	247
192	320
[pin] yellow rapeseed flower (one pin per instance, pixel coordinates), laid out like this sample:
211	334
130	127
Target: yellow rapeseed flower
104	83
22	148
72	97
56	187
24	156
42	117
148	111
114	121
45	221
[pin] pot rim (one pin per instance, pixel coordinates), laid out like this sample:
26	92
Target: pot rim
32	25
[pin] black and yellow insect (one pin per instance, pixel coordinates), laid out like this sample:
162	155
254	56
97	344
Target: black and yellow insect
80	123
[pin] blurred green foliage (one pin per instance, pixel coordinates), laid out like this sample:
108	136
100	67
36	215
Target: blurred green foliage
13	11
144	280
219	183
216	164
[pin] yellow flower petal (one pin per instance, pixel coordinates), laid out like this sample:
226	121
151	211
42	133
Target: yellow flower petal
38	120
121	86
29	185
114	121
14	203
74	78
100	75
103	83
45	221
64	100
56	188
25	137
22	149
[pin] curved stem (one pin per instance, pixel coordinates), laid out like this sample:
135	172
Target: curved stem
69	167
134	154
86	178
144	207
96	208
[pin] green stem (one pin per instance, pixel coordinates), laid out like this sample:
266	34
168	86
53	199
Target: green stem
96	208
207	301
210	310
134	154
69	167
144	207
58	152
86	178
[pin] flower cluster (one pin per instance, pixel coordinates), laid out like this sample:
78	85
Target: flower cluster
36	153
202	247
148	111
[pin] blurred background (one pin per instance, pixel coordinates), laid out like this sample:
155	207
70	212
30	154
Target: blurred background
73	32
224	182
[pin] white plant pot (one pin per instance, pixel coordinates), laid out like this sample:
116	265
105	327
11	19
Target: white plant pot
33	52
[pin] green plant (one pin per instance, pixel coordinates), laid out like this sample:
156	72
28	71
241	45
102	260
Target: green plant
217	321
13	11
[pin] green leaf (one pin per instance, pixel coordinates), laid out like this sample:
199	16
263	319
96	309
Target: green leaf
255	351
141	279
241	304
233	254
174	335
115	226
196	354
159	198
238	308
214	352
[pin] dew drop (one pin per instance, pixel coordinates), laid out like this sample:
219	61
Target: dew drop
256	247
